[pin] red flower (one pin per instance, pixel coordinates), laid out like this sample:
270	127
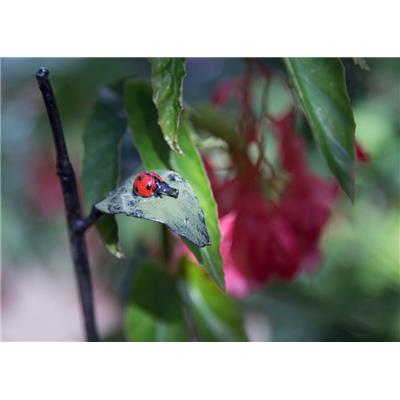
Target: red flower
225	91
236	284
291	145
362	155
271	235
43	189
262	240
249	237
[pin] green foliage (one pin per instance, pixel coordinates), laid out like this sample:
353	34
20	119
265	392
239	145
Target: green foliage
167	80
321	87
216	122
216	316
154	311
100	173
142	117
182	215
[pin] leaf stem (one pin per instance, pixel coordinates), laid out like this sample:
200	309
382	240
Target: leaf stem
72	206
82	224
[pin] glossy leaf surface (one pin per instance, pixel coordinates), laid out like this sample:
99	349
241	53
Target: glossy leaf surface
320	85
154	311
167	82
100	173
215	315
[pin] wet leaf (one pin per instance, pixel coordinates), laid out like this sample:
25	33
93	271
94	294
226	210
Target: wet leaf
167	81
182	215
321	87
100	173
156	154
154	311
216	316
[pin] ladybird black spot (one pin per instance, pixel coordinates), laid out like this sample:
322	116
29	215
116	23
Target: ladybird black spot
136	189
140	177
148	186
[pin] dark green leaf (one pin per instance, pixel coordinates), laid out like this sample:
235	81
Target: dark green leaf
156	154
167	81
216	317
321	87
182	215
214	121
100	173
154	310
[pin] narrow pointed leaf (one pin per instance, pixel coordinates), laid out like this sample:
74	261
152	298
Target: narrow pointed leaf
216	316
167	82
182	215
156	154
100	173
154	311
321	87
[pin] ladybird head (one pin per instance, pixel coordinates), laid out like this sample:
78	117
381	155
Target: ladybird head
164	188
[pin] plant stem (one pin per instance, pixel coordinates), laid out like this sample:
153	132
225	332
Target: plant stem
75	222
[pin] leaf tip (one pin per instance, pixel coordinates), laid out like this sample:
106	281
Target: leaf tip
115	250
348	187
350	191
221	283
175	147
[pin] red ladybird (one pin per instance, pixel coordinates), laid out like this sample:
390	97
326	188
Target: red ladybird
148	184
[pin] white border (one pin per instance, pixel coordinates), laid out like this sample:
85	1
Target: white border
200	371
207	28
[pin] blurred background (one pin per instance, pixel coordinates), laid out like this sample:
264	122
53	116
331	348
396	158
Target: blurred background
354	295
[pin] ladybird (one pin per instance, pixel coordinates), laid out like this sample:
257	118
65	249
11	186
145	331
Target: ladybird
148	183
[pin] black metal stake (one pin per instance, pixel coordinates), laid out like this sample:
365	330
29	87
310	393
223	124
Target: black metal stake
77	225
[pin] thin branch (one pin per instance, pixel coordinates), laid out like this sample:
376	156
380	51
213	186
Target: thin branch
72	207
81	225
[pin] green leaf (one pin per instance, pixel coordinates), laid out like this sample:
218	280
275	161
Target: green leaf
217	122
215	315
321	87
182	215
154	311
155	153
101	139
167	81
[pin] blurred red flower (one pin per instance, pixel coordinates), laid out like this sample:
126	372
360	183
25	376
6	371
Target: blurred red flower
270	227
361	154
262	239
43	189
